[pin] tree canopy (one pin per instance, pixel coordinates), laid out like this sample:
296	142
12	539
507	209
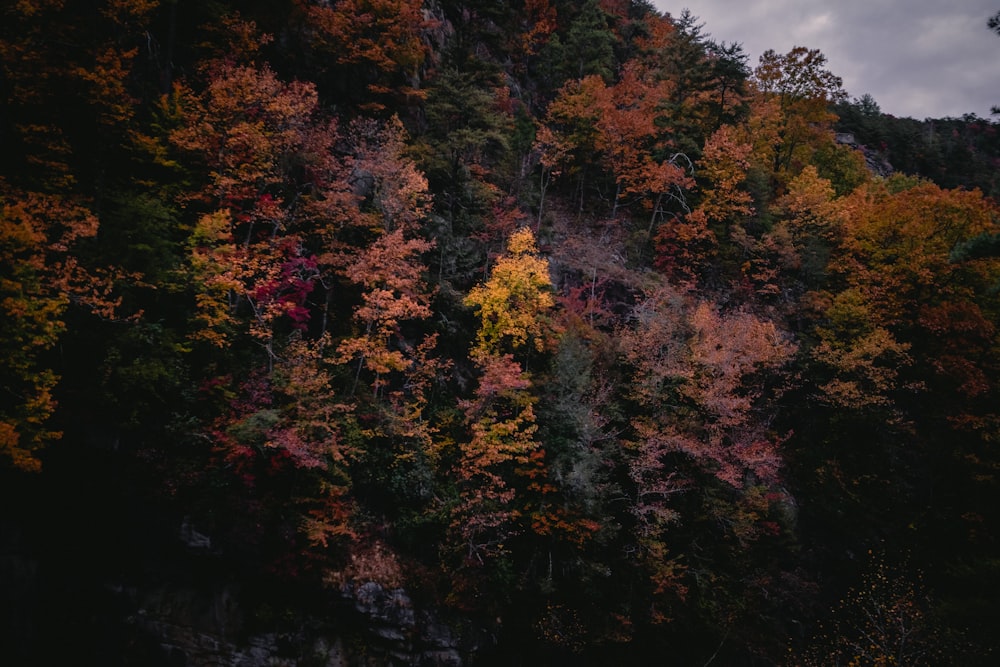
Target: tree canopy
559	316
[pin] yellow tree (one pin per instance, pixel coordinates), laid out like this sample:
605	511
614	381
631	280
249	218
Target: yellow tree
512	304
502	460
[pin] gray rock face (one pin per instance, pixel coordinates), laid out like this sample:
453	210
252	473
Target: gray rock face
193	539
421	640
209	627
875	161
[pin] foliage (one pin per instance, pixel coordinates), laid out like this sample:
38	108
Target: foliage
376	41
512	304
794	93
40	237
552	313
885	620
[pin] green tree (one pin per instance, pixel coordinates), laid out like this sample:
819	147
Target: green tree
706	81
589	44
994	25
460	148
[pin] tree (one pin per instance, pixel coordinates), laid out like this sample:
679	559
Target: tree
685	245
782	251
903	362
378	42
501	471
281	441
501	449
468	131
802	90
902	290
40	276
538	22
393	293
704	365
616	123
389	268
512	304
704	384
109	77
994	25
276	200
626	138
884	620
569	135
589	44
705	81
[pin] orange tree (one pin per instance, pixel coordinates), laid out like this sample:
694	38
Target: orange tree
902	360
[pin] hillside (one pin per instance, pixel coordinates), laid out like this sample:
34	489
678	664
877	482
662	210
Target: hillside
390	332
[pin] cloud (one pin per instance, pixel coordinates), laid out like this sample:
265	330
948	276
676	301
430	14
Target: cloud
919	58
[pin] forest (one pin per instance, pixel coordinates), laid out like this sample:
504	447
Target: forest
561	326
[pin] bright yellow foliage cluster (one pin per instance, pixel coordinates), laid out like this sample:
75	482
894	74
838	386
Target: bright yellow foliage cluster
513	302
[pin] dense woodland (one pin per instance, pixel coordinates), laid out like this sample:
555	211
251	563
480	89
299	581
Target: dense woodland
561	316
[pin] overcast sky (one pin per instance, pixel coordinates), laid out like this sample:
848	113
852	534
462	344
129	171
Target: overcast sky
917	58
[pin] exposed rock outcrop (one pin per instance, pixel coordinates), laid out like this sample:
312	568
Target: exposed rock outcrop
875	161
191	627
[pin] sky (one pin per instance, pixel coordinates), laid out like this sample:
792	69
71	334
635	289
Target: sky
917	58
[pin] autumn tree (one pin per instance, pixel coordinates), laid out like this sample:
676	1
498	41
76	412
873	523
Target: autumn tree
783	252
627	138
388	348
793	93
685	245
539	21
379	43
901	365
747	165
704	382
40	238
74	78
264	236
502	458
388	268
616	123
807	227
884	620
270	210
281	440
569	134
894	259
512	304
